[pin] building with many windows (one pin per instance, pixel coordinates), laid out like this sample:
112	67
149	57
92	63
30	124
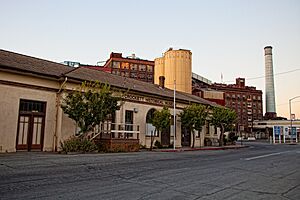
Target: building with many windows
246	101
131	67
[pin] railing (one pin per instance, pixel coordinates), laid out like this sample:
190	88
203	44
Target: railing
108	130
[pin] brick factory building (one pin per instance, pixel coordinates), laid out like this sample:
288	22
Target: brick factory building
131	67
245	100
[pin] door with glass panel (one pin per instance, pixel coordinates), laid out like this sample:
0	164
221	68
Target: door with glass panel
31	125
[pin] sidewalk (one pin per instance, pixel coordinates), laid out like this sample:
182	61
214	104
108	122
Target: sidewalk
181	149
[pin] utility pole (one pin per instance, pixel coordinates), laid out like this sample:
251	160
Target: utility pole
174	114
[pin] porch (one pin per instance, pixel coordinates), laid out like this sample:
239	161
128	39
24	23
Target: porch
116	137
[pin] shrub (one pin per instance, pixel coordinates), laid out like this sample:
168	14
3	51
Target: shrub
157	144
232	137
78	144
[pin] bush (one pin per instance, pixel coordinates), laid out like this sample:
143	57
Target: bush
232	137
157	144
78	144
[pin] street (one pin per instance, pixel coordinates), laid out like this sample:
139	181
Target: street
261	171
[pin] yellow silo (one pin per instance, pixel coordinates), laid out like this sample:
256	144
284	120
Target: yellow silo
159	69
177	66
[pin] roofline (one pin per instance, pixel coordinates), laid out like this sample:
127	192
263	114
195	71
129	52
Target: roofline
41	59
20	71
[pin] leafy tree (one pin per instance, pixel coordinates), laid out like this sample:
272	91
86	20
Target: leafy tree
161	120
90	104
224	119
193	117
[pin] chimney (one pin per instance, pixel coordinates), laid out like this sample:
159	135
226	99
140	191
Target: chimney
269	83
240	82
115	55
162	82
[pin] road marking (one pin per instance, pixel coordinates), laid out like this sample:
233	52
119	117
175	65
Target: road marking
266	155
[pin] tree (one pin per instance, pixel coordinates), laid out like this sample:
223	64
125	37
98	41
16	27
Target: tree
193	117
89	105
161	120
224	119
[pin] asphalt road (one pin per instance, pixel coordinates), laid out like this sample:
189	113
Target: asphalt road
262	171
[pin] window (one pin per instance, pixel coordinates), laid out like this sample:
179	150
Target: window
150	76
149	68
32	106
207	128
133	75
142	67
142	76
150	129
116	64
125	65
134	67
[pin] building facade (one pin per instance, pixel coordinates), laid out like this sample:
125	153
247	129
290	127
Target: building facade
201	88
246	101
33	89
130	67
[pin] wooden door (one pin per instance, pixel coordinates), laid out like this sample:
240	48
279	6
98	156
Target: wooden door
31	123
30	132
165	137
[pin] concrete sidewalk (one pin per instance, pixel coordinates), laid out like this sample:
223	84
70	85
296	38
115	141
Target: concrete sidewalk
201	149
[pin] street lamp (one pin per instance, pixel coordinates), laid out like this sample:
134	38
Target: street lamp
174	115
290	104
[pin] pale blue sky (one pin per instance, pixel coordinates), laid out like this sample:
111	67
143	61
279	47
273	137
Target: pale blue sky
225	36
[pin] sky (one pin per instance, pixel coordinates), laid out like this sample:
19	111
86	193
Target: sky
225	36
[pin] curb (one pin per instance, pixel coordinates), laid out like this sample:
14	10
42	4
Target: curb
203	149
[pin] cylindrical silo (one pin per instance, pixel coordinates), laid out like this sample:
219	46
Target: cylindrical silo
269	83
178	66
159	69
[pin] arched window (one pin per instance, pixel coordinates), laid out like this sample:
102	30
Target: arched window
150	129
150	115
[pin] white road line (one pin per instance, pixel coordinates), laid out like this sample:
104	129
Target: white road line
267	155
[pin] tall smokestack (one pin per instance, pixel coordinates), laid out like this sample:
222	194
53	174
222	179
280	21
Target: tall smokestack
269	84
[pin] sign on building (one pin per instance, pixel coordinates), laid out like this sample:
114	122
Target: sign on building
277	132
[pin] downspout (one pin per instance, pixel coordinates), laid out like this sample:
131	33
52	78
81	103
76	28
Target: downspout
56	115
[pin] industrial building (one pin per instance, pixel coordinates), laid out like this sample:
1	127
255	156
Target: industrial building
176	67
131	67
246	101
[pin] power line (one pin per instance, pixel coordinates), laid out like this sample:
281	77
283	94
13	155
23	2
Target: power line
282	104
280	73
259	77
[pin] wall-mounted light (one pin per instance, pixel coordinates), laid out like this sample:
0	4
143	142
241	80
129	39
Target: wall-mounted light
135	110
